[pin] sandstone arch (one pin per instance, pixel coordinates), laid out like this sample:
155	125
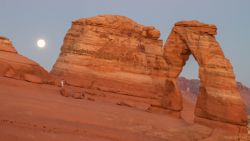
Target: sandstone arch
118	60
218	99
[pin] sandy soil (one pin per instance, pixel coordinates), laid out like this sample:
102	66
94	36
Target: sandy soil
38	112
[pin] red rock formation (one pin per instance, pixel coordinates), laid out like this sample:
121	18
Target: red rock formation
6	45
245	94
14	65
190	90
218	98
115	59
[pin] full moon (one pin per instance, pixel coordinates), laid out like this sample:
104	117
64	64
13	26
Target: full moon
41	43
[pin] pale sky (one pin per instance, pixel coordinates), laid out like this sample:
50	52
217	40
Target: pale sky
25	21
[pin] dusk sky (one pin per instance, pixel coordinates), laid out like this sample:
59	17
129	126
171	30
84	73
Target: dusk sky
25	21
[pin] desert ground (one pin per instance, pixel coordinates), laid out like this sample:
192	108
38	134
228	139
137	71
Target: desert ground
31	111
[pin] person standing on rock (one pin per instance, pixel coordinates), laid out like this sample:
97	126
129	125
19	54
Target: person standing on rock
62	83
62	90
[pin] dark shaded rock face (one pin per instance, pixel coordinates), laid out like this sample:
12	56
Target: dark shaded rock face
14	65
119	60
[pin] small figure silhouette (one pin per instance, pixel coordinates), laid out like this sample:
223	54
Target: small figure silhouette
62	83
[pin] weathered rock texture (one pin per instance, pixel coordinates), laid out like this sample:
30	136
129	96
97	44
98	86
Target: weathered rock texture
218	98
119	60
190	90
112	56
14	65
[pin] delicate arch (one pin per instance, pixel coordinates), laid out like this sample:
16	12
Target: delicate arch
218	99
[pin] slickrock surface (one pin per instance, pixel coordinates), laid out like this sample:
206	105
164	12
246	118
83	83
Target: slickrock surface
34	112
14	65
112	58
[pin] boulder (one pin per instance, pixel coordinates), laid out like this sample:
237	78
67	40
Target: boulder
33	78
69	92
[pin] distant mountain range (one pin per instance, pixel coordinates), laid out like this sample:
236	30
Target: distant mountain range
190	89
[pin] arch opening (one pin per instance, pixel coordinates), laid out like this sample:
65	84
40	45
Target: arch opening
189	83
218	95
